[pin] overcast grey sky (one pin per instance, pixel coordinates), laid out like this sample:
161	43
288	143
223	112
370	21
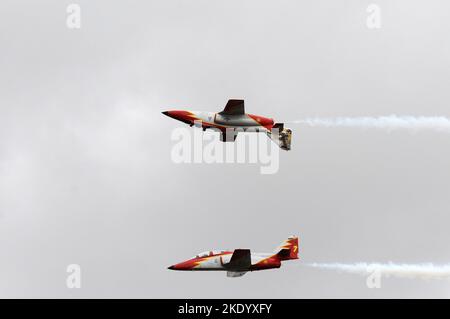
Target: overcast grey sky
85	170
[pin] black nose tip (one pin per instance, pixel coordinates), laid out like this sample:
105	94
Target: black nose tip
165	112
171	267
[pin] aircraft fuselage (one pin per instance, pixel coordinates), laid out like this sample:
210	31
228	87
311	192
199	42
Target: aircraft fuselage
244	122
233	120
218	260
240	261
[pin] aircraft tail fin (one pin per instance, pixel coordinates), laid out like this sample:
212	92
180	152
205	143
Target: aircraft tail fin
288	249
279	126
281	135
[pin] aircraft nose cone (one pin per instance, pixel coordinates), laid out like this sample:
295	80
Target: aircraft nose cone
184	265
165	113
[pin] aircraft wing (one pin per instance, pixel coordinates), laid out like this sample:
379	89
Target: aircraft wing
236	273
240	260
226	136
234	107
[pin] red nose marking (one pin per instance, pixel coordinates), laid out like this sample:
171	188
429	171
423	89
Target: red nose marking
183	116
185	265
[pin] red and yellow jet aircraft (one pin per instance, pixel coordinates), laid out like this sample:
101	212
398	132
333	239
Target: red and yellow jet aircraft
236	263
232	120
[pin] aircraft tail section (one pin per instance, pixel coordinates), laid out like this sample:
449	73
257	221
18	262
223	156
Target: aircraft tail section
281	135
288	249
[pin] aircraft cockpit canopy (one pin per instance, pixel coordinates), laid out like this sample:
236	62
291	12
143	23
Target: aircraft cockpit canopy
209	253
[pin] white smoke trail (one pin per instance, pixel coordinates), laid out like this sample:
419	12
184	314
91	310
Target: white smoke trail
415	271
390	122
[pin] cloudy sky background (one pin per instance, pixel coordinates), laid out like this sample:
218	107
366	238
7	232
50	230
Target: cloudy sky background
86	175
